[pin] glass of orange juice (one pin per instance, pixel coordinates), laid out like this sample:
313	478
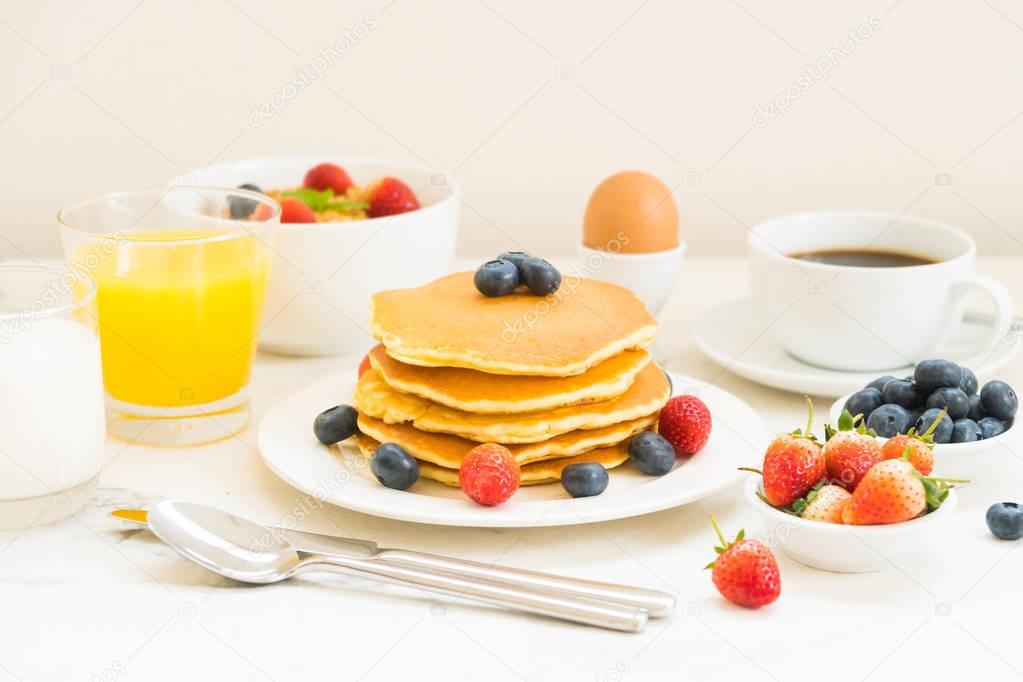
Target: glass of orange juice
181	277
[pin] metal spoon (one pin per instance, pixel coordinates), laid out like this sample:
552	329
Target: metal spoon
657	604
224	543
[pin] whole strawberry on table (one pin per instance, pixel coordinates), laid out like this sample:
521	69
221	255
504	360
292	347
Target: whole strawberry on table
745	571
852	478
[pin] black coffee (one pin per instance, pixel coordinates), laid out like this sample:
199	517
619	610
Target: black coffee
864	258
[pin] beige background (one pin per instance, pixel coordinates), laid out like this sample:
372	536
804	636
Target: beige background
530	104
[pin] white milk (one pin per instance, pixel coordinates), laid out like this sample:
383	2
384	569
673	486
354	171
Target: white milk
51	409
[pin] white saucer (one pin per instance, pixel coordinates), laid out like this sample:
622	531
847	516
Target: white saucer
342	476
728	337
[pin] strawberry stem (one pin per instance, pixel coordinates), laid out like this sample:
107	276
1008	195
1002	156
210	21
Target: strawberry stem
809	421
752	470
934	424
946	480
721	538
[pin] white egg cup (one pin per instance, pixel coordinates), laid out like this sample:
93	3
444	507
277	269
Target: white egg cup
848	549
651	276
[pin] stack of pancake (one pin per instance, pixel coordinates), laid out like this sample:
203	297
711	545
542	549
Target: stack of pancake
557	380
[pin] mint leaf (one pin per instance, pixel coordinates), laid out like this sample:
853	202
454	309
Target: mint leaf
347	206
312	198
325	201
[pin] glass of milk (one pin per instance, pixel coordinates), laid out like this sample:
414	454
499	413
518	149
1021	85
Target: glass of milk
52	429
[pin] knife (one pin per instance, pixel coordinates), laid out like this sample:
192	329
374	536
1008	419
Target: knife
656	604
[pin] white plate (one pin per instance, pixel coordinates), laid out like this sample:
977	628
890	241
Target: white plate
727	337
342	477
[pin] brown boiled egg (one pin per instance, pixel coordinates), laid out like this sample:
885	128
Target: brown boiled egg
631	212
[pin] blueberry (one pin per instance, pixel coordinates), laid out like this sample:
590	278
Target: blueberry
496	278
864	402
952	399
968	384
1005	520
976	412
584	479
541	277
394	467
991	427
879	383
242	207
932	374
652	453
999	400
515	257
942	432
889	420
904	393
336	424
965	431
914	414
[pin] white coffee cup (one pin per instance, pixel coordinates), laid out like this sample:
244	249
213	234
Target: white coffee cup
862	318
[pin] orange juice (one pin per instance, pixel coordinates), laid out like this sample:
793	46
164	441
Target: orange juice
178	321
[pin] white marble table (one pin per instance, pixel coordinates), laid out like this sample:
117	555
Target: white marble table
89	599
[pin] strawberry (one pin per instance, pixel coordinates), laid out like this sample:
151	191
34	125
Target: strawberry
745	572
894	491
328	176
364	365
295	211
262	212
489	475
826	504
390	196
793	464
850	451
685	422
921	447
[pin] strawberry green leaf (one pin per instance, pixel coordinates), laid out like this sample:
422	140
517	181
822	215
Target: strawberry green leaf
849	422
936	489
799	505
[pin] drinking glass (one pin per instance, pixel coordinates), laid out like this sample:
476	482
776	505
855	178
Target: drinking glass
51	392
181	277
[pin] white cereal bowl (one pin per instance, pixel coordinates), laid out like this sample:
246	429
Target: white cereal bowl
953	460
651	276
848	549
325	273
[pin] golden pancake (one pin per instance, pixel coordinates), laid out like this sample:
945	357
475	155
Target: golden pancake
448	323
547	471
446	450
646	396
474	391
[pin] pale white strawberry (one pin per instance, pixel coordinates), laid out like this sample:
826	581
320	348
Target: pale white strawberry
826	504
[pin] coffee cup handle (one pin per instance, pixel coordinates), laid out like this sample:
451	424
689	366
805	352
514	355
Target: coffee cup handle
999	295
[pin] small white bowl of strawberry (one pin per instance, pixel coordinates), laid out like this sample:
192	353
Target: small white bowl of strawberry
349	227
853	503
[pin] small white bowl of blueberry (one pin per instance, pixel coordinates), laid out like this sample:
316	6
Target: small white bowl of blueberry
975	418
